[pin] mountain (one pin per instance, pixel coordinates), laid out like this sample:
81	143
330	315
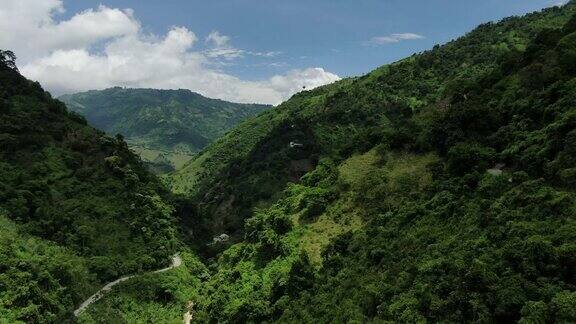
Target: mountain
163	126
255	161
77	207
438	188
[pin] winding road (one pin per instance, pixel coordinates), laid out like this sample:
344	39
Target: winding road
176	262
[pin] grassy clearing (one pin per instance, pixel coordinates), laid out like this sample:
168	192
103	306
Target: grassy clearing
315	236
150	155
407	172
185	182
355	168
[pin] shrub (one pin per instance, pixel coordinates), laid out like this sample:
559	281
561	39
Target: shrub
466	157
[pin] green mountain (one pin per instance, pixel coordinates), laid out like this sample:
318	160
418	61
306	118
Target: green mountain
439	188
162	126
255	161
77	208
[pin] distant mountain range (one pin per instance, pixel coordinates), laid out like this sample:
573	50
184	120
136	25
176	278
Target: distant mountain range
166	127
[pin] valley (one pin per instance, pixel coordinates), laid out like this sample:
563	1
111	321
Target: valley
438	188
164	127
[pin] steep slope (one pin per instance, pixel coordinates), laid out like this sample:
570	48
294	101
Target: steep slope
253	163
160	125
82	207
40	280
484	234
439	188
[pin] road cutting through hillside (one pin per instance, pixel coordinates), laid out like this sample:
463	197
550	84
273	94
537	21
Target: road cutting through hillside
176	262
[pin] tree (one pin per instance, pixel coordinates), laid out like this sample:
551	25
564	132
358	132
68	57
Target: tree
9	59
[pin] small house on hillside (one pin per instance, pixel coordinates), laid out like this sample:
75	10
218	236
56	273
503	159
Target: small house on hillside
296	144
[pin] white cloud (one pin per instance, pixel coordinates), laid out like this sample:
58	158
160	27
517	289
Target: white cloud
560	2
266	54
27	27
226	53
393	38
294	80
217	39
60	55
221	48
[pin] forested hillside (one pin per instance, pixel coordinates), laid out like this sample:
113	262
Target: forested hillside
437	188
252	164
165	127
77	208
440	188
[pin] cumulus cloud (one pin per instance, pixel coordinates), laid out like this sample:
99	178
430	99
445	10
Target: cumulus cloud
393	38
27	26
61	55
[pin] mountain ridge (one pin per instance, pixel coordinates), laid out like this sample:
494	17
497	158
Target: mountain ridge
409	84
441	189
77	207
165	126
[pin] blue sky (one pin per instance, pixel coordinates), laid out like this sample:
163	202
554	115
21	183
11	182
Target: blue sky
327	33
239	50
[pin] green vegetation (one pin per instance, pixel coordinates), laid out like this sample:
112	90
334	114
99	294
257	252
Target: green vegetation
82	208
151	298
165	127
252	164
371	200
400	221
39	280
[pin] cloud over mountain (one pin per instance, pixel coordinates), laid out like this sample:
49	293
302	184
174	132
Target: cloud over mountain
104	47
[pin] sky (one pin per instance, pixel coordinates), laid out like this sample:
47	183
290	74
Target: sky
260	51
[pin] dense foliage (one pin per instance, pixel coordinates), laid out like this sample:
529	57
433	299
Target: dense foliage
164	126
39	281
252	164
474	246
439	188
443	190
65	182
151	298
